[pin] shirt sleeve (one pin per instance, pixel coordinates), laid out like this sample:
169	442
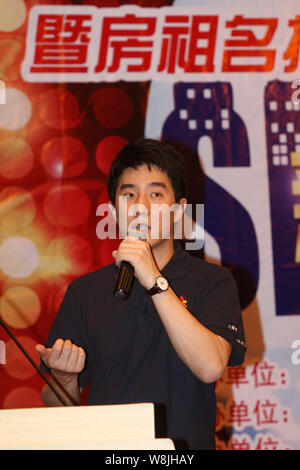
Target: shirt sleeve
69	324
219	310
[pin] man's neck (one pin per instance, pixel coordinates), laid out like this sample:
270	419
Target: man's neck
163	252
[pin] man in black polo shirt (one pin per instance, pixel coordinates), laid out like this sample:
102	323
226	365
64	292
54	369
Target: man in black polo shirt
172	338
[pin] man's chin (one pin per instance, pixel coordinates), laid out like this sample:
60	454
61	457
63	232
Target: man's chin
154	242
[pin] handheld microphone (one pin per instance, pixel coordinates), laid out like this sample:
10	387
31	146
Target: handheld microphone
124	281
125	278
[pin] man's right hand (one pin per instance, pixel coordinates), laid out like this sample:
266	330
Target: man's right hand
64	358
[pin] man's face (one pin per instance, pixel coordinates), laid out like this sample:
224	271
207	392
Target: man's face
143	197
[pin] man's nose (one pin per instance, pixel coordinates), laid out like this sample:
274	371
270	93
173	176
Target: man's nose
142	205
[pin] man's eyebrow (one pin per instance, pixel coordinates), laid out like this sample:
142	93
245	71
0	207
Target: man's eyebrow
152	183
157	183
127	185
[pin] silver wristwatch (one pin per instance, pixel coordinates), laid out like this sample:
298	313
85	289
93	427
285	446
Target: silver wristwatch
161	285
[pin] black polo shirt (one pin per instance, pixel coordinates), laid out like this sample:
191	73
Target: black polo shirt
130	358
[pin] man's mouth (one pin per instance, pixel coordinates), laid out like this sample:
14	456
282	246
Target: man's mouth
142	227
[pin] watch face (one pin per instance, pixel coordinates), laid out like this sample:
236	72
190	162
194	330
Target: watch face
162	283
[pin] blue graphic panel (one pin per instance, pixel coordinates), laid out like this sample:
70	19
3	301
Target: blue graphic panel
206	109
283	149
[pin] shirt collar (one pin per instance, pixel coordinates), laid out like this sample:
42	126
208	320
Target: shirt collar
176	266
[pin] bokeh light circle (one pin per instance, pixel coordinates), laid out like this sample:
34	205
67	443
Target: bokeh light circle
16	158
17	365
59	109
17	110
23	397
112	107
20	307
19	257
71	255
12	14
102	3
56	297
107	150
17	207
11	55
64	157
67	205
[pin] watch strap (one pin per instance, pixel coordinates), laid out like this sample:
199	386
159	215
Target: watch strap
155	289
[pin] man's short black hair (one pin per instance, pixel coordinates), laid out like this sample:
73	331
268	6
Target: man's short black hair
148	152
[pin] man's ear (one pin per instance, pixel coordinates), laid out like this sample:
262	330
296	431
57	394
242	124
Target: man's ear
179	209
120	211
179	219
113	210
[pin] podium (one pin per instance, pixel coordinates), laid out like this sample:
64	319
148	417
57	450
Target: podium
110	427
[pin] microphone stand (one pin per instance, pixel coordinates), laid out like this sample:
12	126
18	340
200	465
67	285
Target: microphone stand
19	345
